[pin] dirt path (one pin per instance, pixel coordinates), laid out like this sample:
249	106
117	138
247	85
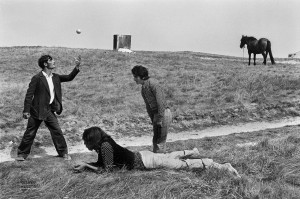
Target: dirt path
8	153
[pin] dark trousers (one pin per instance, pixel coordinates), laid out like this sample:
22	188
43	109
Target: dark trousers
160	132
156	136
30	133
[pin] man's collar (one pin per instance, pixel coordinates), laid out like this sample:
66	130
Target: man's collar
45	74
146	82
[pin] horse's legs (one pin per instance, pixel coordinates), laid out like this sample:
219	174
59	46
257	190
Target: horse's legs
265	57
267	52
254	57
249	58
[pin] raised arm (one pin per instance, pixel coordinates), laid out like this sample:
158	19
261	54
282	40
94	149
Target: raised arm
72	75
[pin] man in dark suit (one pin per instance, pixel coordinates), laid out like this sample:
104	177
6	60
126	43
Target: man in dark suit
42	101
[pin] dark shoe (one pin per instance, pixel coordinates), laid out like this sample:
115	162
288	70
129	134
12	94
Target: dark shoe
66	157
19	158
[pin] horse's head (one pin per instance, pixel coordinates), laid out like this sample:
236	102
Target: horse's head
243	41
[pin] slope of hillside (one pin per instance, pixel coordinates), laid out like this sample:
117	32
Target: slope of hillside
202	90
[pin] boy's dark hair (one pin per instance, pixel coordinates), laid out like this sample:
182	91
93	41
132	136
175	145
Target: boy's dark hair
140	71
44	59
94	134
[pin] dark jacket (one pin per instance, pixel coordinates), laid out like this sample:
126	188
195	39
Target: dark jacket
38	95
122	157
154	98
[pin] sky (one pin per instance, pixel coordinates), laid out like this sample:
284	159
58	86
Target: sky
208	26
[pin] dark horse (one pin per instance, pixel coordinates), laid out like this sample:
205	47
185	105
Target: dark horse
261	46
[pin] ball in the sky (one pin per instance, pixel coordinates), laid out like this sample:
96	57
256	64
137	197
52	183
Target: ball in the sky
78	31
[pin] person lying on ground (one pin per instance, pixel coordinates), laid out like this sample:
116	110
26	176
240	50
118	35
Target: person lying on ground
111	155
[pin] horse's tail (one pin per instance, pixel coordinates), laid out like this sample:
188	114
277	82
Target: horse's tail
270	52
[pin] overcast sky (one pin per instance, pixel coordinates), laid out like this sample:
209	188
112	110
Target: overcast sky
209	26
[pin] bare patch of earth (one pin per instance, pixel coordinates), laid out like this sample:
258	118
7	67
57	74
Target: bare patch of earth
8	153
139	128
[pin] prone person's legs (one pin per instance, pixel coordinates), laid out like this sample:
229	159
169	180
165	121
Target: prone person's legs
172	161
168	160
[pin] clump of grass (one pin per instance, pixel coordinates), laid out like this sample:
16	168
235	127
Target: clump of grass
291	170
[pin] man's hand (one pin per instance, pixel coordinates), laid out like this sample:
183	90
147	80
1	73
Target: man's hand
26	115
78	61
159	124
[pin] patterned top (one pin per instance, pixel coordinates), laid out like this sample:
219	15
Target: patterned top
154	97
107	154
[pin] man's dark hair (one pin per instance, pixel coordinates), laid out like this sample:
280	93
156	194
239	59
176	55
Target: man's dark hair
140	71
94	135
44	59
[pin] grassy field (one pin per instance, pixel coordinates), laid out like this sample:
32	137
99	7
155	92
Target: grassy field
202	89
269	169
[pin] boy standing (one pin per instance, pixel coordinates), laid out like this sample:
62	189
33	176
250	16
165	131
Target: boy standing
156	106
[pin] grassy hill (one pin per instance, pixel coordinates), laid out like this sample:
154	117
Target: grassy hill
202	89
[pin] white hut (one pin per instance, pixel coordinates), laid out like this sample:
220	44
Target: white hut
122	41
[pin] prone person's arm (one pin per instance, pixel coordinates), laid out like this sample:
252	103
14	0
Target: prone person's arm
83	165
93	167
